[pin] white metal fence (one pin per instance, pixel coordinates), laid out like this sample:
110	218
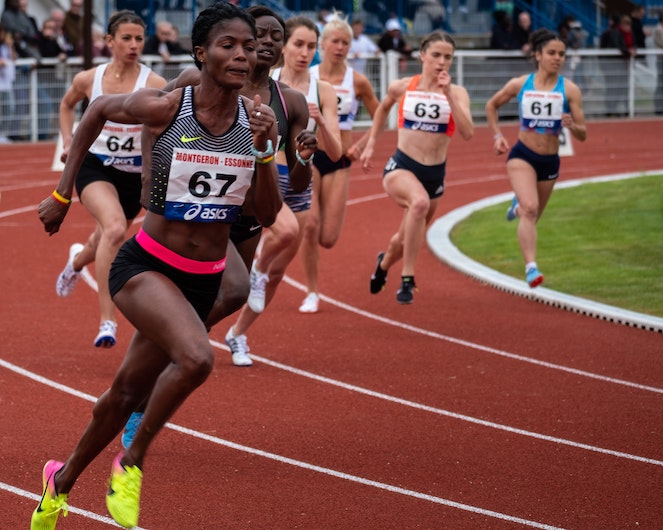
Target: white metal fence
611	85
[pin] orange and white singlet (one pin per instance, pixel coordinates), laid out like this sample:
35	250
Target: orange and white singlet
425	111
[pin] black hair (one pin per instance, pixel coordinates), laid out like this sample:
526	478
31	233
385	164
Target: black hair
125	16
210	17
539	38
262	11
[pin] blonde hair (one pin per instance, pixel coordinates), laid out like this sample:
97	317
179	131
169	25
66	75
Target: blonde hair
336	22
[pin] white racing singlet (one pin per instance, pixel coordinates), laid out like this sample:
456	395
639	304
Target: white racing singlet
118	144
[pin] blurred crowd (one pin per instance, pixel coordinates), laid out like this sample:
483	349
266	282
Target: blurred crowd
60	36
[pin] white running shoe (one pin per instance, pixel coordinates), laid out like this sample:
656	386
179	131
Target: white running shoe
239	348
67	279
310	303
256	300
106	336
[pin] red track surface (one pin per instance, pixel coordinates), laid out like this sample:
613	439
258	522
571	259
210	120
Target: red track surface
470	408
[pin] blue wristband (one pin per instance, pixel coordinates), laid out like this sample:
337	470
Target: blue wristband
263	154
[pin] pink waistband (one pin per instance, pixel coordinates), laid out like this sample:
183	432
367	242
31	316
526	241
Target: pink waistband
175	260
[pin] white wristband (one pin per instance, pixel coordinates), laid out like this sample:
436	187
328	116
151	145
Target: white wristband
303	161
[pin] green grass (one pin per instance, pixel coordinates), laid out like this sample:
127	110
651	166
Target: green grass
601	241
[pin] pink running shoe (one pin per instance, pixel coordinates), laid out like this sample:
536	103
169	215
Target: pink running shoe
46	514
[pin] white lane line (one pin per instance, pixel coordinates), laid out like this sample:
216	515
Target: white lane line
450	414
72	509
278	458
473	345
379	395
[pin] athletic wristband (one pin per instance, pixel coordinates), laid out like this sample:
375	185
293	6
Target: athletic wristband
498	136
263	154
303	161
265	160
60	198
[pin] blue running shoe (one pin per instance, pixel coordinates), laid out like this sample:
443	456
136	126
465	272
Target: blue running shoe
533	277
130	429
511	212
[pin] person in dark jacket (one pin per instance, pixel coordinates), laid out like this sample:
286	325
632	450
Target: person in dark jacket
616	71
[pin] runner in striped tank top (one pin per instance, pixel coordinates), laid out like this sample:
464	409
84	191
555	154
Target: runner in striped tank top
296	145
203	147
280	243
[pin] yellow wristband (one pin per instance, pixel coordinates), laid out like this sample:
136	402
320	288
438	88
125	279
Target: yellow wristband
265	160
60	198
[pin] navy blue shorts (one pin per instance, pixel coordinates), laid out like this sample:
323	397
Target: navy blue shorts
326	165
132	259
128	185
431	177
545	166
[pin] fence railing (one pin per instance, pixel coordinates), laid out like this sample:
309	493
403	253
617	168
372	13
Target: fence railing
611	85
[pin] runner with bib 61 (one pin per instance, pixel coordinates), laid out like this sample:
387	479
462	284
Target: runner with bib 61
547	102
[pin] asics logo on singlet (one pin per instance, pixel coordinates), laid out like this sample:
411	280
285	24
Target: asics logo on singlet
192	212
115	161
208	214
426	127
186	139
549	124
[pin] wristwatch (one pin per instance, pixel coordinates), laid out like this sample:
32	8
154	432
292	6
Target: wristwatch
263	154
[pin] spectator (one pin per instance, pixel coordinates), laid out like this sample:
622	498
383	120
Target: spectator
16	20
323	16
165	44
392	39
50	79
658	43
639	33
563	30
576	39
72	27
522	31
502	37
361	44
615	72
99	46
461	6
25	33
7	76
57	17
49	46
577	35
435	12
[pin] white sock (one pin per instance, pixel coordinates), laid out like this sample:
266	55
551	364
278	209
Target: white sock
529	266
